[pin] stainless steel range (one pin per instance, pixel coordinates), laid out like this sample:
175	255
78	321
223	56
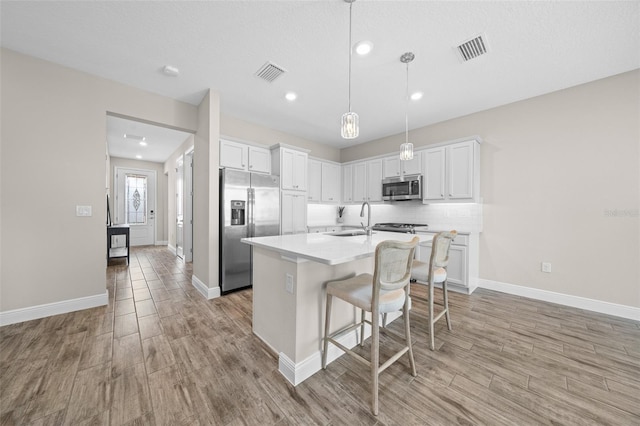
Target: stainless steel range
407	228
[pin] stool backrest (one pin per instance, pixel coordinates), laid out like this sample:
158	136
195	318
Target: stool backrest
393	264
440	249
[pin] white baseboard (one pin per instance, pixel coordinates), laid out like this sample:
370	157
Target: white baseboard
623	311
172	249
298	373
209	293
50	309
162	243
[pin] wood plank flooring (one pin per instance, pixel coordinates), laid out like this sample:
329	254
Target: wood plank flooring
160	354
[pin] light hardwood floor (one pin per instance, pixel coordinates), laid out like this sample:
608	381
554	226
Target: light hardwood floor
160	353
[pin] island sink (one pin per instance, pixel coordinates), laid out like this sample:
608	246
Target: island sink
347	233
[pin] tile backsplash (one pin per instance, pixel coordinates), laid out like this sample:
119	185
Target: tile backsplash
462	217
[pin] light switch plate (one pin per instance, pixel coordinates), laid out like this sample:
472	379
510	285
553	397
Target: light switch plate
84	211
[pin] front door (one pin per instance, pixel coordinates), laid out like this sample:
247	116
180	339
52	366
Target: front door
136	203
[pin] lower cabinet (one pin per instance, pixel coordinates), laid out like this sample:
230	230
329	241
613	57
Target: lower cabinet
462	271
293	213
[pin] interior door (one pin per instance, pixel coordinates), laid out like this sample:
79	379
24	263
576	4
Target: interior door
136	203
180	207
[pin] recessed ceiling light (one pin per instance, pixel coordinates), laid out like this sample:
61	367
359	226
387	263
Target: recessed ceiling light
136	137
143	143
416	96
363	47
291	96
138	156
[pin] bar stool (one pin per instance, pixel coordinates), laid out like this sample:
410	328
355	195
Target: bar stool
383	292
435	272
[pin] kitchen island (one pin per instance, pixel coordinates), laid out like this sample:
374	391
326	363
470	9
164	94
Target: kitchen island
290	273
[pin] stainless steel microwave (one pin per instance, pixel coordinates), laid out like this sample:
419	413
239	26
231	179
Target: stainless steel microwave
402	189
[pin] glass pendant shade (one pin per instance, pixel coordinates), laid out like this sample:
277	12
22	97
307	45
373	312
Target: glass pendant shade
350	127
406	151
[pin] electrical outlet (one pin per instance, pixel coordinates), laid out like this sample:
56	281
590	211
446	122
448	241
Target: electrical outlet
289	284
546	267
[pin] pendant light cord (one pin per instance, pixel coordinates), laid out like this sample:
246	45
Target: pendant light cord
406	117
350	13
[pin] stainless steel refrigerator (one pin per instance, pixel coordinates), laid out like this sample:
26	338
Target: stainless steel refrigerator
249	207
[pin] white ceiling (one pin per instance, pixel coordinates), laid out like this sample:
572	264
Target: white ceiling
161	142
536	47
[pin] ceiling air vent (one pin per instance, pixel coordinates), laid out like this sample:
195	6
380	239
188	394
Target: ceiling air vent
472	48
270	72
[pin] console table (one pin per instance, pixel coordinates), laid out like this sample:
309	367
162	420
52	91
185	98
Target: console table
117	252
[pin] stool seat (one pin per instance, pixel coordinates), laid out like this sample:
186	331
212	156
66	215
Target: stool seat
420	272
357	291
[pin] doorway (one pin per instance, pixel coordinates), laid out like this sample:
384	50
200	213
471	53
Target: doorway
184	206
136	203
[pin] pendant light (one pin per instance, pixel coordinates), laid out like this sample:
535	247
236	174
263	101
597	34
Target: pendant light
350	127
406	149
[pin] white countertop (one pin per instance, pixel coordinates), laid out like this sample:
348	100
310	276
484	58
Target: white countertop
329	249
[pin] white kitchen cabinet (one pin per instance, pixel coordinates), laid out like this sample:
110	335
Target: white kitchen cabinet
394	167
347	183
314	191
462	271
324	182
293	213
434	177
330	188
367	181
452	173
291	165
239	156
259	160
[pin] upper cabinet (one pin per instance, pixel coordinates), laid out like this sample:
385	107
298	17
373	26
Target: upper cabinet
347	183
367	181
324	182
314	183
291	165
394	167
330	183
452	173
239	156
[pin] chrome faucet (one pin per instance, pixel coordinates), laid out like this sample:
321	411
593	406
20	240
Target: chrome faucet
367	228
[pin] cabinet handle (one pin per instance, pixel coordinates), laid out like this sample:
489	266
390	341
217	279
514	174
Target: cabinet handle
251	166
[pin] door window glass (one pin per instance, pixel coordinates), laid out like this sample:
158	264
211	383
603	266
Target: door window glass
136	205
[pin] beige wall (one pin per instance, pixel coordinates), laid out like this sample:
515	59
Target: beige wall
53	158
161	191
561	183
243	130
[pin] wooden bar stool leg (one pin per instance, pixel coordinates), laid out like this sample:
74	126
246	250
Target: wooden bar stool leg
445	295
362	327
327	319
375	360
407	334
431	338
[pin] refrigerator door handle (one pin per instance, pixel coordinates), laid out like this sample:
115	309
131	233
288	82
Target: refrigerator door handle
250	205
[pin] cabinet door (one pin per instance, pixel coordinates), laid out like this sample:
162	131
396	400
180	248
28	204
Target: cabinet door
293	170
457	268
286	213
259	160
233	155
330	183
359	182
413	166
315	181
391	167
347	184
433	181
460	170
374	180
299	214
